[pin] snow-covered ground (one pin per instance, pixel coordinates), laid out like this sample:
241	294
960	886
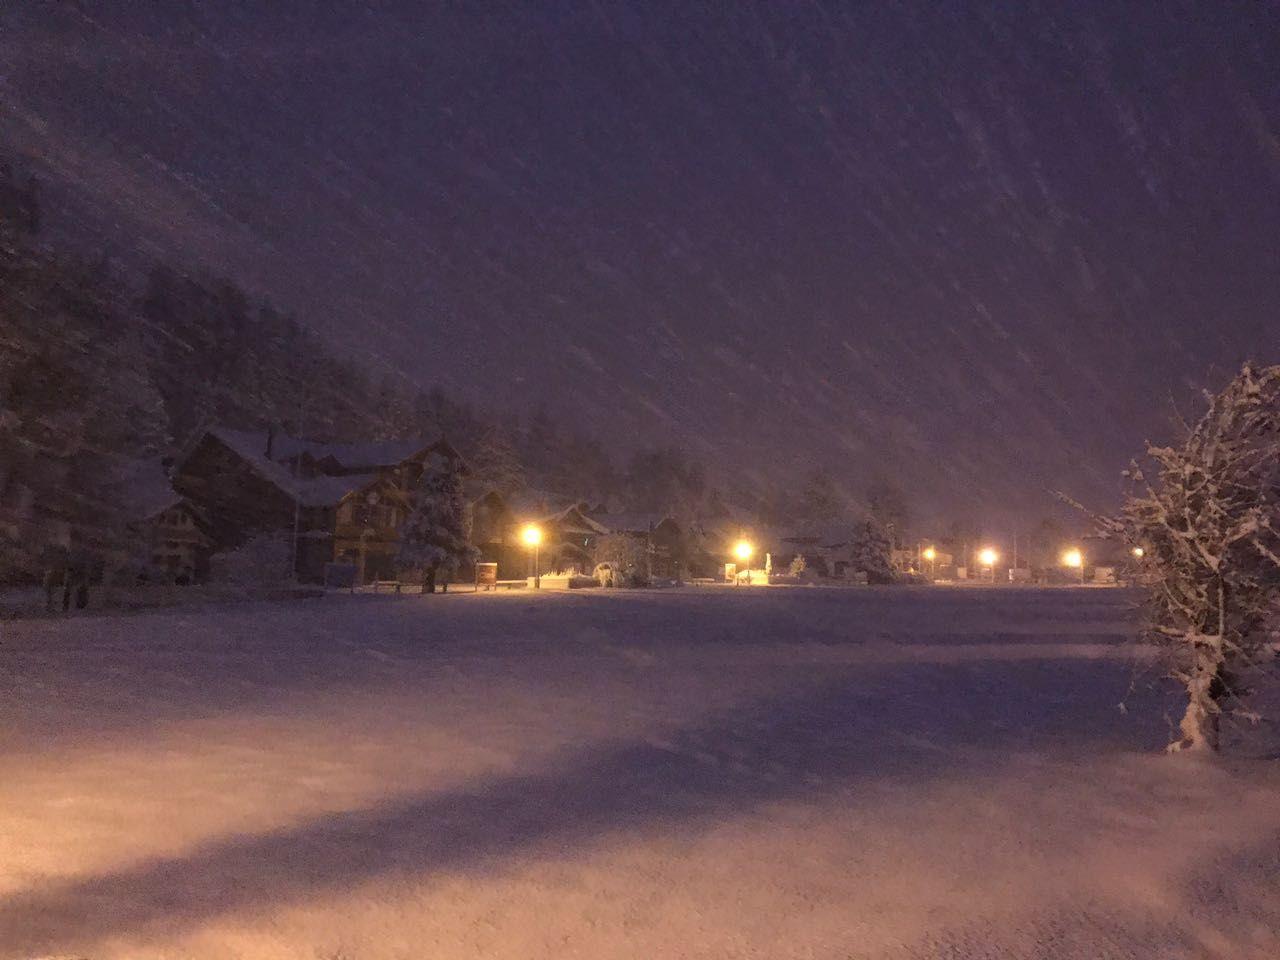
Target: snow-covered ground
715	772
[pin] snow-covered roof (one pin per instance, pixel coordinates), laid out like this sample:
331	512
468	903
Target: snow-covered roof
366	454
631	522
251	447
314	492
532	504
818	536
574	520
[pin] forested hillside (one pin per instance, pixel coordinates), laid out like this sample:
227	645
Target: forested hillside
98	370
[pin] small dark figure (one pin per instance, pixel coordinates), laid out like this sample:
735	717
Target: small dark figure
429	578
66	593
82	593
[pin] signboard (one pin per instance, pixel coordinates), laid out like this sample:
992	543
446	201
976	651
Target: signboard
486	576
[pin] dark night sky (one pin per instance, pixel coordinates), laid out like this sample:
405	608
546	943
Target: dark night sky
976	247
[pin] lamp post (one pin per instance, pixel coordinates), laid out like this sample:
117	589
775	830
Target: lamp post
930	553
987	556
1135	568
1073	559
532	537
743	550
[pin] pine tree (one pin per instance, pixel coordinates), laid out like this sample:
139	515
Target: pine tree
871	552
436	537
76	407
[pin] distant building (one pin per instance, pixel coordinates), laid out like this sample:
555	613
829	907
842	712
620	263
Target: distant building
175	532
662	534
826	551
568	533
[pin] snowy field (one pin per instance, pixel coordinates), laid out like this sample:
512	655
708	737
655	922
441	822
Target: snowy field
716	772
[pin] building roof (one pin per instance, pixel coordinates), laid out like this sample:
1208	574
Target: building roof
364	456
358	456
317	491
251	447
828	537
532	504
631	522
573	520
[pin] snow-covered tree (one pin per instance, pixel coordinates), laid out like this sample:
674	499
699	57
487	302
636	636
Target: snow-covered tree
871	552
1206	515
629	556
436	537
76	406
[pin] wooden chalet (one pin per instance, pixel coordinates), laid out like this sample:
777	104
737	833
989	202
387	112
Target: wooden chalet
569	534
175	531
669	552
345	502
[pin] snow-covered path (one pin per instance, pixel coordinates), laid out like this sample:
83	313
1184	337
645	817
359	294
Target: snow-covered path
781	772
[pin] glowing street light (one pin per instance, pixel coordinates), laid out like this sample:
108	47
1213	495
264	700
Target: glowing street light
987	558
1138	553
531	535
743	551
1073	559
930	554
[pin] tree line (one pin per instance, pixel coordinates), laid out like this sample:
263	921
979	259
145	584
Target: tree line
100	368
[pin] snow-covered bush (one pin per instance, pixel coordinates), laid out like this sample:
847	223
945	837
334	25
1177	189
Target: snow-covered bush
628	556
265	560
1205	515
797	565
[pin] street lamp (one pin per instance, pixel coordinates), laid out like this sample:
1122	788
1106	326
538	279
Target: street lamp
743	550
931	554
1138	553
531	534
987	557
1073	559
